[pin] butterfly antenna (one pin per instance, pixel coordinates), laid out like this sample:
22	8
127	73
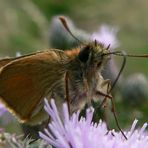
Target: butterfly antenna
124	55
120	71
63	21
131	55
112	87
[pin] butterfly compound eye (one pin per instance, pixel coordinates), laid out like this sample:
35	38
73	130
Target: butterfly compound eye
84	54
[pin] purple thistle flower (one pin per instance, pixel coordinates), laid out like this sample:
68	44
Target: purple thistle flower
106	35
5	116
70	132
2	109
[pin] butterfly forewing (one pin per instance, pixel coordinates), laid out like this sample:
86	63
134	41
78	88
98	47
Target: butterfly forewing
24	82
5	61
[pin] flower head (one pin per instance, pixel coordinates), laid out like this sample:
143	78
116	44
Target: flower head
106	35
70	132
5	116
2	109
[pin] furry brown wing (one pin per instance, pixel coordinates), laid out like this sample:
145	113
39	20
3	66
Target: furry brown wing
25	82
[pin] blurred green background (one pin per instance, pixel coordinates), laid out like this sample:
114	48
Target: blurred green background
24	25
24	28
